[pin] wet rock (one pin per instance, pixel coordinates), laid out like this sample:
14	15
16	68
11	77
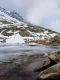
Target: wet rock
52	73
55	56
36	64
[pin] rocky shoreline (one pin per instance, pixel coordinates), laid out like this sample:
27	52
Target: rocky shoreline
33	67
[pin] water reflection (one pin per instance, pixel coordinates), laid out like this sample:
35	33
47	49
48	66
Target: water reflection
8	51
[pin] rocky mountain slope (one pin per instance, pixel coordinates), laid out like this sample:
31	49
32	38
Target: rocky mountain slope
14	30
55	40
13	14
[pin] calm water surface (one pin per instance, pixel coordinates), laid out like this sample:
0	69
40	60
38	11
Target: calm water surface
10	51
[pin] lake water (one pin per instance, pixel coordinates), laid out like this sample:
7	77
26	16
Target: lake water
10	51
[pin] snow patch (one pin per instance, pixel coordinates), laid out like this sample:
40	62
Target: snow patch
16	38
9	18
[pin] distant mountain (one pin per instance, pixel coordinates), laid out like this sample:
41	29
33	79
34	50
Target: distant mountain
14	30
12	14
16	15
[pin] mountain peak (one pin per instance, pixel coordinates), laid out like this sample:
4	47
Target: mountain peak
13	14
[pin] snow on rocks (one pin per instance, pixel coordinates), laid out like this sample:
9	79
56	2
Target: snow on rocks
16	38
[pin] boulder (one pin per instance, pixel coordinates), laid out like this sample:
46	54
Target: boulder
55	56
52	73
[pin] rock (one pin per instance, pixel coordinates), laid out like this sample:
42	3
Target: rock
52	73
55	41
37	64
55	56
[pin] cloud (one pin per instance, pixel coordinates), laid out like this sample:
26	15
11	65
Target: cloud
21	6
45	13
55	25
41	12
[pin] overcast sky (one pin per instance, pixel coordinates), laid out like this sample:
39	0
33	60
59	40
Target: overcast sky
41	12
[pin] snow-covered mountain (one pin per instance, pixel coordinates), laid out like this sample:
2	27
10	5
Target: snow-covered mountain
14	30
13	14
